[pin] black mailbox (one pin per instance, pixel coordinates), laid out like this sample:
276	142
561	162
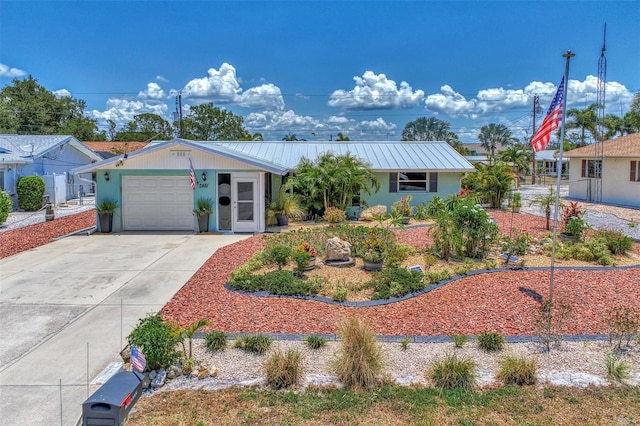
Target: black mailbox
112	402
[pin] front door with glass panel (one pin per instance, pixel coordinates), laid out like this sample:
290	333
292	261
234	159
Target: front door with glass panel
245	205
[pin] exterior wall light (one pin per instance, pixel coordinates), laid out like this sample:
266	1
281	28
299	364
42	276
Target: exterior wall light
204	176
106	176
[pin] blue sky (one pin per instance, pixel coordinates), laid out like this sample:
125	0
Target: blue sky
363	68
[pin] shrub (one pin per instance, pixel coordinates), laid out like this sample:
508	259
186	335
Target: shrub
549	320
593	250
616	241
453	373
421	212
394	282
340	293
459	340
30	192
6	206
398	253
516	245
216	340
517	371
302	259
283	369
359	359
279	255
491	342
157	340
402	207
255	343
334	215
404	343
617	369
315	341
623	324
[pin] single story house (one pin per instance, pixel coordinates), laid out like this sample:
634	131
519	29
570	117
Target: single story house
547	162
114	148
48	156
153	189
614	178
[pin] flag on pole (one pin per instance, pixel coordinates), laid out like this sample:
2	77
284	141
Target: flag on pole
192	175
137	360
551	121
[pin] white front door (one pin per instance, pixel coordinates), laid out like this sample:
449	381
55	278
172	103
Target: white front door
244	193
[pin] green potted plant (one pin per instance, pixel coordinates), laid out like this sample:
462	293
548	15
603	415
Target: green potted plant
403	208
574	224
516	202
375	252
287	206
105	209
49	213
204	208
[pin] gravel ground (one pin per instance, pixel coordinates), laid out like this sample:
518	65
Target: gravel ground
21	219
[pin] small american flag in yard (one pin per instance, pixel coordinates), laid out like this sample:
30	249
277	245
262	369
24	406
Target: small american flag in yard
551	121
137	359
192	175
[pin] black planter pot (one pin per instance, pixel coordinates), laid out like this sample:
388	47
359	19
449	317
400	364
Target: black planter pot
203	223
283	219
106	222
372	266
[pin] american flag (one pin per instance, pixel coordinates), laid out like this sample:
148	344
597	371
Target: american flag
192	175
551	121
138	360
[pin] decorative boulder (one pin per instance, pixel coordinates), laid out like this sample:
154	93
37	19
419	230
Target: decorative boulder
371	213
338	249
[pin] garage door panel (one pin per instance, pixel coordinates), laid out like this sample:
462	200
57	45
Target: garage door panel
157	203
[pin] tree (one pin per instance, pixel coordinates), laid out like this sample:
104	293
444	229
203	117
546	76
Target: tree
332	180
342	138
545	202
491	182
291	137
208	123
585	120
516	156
145	127
429	129
492	135
26	107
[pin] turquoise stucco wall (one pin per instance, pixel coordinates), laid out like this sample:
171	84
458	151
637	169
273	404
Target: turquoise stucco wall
448	183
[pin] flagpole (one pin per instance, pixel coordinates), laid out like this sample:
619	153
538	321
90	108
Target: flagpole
568	57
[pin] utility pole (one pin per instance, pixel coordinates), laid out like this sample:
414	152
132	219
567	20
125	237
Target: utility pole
179	112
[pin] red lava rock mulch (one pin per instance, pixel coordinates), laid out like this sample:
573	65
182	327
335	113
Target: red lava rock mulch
22	239
503	302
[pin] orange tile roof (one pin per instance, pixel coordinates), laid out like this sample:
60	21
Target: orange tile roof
624	146
115	147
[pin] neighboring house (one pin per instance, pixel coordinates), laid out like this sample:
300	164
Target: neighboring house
112	149
152	185
48	156
478	154
618	172
548	163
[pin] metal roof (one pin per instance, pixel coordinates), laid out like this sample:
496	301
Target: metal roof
23	148
381	156
282	156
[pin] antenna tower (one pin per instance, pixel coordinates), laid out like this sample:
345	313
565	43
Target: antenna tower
599	137
178	113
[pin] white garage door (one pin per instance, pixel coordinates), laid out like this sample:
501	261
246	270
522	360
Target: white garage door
163	203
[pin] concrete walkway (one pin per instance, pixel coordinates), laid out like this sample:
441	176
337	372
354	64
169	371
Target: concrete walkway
67	307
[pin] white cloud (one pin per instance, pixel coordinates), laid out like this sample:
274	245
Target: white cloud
154	93
266	96
161	78
62	93
6	71
495	100
223	86
121	111
280	121
377	126
376	92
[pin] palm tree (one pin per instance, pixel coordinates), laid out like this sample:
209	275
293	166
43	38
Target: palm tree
342	138
429	129
191	330
545	202
517	157
290	137
493	134
585	120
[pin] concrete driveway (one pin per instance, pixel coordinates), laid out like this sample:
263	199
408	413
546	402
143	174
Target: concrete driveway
66	309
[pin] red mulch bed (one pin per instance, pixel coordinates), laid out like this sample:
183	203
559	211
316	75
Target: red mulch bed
22	239
503	302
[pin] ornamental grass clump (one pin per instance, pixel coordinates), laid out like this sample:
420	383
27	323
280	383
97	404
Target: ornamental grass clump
257	343
617	369
491	342
517	371
453	373
216	340
283	369
315	341
359	361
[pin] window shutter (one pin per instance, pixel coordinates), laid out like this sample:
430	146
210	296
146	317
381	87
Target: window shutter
584	168
433	182
393	182
632	175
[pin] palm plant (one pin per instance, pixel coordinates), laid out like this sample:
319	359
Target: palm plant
429	129
585	120
191	330
492	135
545	202
517	157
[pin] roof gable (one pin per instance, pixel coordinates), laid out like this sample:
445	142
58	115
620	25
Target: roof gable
24	148
624	146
